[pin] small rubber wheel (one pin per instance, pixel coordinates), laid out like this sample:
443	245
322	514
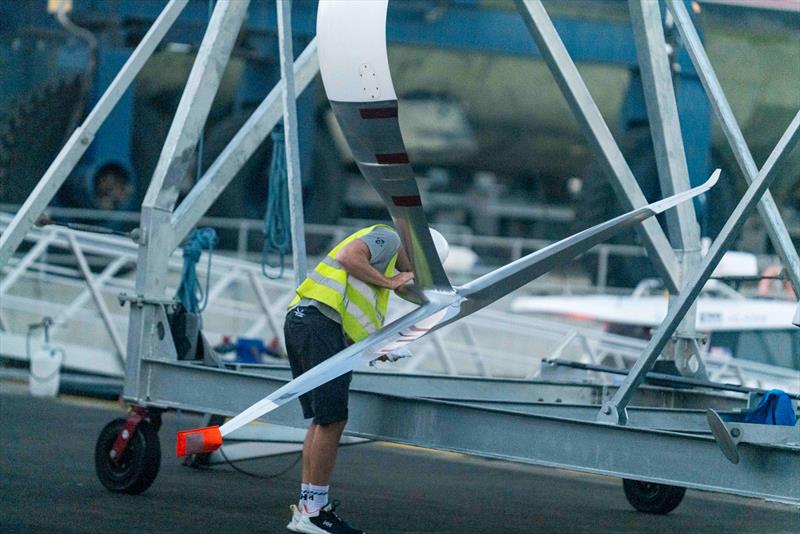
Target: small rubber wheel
138	467
652	498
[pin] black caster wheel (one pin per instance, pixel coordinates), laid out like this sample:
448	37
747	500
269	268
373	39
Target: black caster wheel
652	498
138	467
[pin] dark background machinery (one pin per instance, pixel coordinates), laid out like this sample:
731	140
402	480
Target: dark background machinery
482	113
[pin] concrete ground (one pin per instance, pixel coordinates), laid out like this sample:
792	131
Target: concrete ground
48	484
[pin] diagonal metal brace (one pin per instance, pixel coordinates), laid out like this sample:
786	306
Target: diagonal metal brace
598	135
775	226
240	148
614	410
83	136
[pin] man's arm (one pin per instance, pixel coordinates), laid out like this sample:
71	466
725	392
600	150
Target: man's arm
355	258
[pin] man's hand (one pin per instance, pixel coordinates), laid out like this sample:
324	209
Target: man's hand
391	357
400	279
355	258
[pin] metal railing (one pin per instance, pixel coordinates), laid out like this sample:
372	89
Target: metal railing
507	249
91	326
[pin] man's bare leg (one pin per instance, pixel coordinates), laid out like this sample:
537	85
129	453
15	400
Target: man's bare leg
306	462
322	457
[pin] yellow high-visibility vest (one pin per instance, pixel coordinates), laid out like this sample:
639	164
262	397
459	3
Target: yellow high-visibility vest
361	306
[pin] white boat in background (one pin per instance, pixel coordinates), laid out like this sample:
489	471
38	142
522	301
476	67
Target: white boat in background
755	329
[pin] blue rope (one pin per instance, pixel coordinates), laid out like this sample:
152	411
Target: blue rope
190	292
277	223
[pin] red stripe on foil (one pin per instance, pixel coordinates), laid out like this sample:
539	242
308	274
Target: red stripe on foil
377	113
390	159
407	202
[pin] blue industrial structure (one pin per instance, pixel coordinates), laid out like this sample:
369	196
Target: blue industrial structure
110	176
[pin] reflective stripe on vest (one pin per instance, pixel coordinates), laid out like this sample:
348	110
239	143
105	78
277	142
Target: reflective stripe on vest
361	306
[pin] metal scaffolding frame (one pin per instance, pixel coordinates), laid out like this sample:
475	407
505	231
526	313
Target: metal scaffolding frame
600	443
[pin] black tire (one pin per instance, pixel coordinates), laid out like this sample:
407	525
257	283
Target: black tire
652	498
138	466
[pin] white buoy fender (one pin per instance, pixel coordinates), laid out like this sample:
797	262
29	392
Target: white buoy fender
45	372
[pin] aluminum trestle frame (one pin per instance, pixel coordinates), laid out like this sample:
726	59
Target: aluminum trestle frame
764	471
536	432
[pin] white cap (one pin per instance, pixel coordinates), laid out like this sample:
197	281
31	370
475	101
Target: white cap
442	247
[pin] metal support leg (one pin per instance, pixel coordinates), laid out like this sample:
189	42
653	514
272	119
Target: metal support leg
662	111
614	410
598	135
158	240
687	339
77	144
673	172
776	228
291	143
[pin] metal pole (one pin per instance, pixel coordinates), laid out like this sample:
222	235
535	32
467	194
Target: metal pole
598	135
662	111
157	235
291	142
77	144
602	269
614	411
198	95
673	172
776	228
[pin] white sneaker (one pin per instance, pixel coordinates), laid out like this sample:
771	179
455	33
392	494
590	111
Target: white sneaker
324	522
296	516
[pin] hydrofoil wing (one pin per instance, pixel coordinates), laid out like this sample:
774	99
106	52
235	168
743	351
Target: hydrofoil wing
355	71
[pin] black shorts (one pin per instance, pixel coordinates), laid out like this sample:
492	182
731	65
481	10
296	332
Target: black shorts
312	338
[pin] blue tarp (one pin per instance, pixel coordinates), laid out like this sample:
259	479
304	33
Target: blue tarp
775	408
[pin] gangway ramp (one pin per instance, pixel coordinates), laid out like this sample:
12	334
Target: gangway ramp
47	280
